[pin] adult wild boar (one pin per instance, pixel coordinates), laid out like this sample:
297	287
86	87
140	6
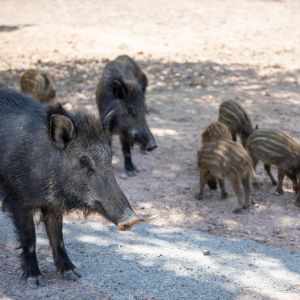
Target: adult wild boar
123	80
54	161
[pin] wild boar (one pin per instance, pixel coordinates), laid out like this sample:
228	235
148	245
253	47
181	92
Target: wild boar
123	80
215	132
227	159
38	85
273	147
55	161
236	119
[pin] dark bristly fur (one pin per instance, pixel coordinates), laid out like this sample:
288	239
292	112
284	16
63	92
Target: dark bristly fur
227	159
38	85
214	132
54	161
124	81
274	147
237	120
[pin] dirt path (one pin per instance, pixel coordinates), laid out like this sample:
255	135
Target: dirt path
153	262
196	55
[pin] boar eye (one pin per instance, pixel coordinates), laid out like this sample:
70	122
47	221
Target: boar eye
85	162
131	111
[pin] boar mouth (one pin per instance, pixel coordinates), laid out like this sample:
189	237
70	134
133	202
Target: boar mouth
151	148
123	223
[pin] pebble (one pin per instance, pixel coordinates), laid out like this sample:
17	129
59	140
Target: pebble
123	176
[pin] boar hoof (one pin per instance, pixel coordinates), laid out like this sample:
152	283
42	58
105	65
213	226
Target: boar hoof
199	196
277	193
33	282
72	275
257	184
224	195
297	203
132	173
237	210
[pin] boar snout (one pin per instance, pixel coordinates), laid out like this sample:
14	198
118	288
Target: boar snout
52	94
151	145
128	220
147	140
127	225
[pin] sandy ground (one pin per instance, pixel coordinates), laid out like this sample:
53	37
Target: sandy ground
153	262
196	55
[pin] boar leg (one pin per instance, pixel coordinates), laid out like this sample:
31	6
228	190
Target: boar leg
23	220
247	185
129	167
224	194
295	183
268	170
279	189
255	162
212	183
297	202
202	182
236	186
53	223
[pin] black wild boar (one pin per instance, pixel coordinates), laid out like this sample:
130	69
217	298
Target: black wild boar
215	132
227	159
237	120
38	85
274	147
123	80
54	161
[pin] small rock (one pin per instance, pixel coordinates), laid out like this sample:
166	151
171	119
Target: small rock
206	252
123	176
276	231
216	68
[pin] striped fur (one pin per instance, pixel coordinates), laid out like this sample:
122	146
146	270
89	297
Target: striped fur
214	132
274	147
227	159
237	120
38	85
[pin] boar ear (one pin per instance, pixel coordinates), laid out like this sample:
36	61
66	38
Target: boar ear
108	115
143	82
47	81
119	89
62	130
